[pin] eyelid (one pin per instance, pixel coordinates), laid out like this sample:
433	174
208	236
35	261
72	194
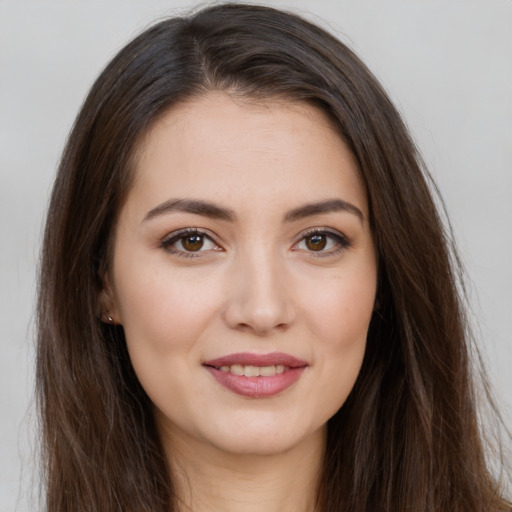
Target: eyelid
343	242
167	242
173	235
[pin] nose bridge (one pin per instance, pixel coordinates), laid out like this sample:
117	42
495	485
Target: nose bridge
259	298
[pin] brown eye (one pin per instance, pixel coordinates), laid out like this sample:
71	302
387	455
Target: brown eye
192	243
322	242
189	243
316	242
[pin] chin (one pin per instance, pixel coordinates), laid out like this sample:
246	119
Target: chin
266	440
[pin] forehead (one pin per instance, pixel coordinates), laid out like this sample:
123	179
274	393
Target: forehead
242	151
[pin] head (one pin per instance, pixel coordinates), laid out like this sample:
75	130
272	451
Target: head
259	59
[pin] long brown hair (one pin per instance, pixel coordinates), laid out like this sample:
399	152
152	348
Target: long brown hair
407	437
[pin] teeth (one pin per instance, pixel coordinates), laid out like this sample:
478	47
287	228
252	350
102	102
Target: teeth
251	371
237	369
267	371
254	371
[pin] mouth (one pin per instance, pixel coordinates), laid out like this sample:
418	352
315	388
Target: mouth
254	371
256	375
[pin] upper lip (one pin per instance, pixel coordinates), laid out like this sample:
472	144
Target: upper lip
249	359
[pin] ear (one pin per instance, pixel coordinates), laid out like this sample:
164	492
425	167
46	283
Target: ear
109	311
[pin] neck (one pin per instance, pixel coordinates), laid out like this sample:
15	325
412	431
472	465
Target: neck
206	479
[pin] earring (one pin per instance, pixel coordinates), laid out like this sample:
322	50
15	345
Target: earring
110	320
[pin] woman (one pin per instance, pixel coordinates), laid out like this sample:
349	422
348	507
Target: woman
247	296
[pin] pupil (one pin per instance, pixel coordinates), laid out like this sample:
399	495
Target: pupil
316	242
193	242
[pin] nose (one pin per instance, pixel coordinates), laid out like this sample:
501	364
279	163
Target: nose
260	300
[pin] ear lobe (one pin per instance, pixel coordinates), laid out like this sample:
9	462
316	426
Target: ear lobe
107	302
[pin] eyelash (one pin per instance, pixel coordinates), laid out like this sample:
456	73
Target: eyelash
168	242
341	241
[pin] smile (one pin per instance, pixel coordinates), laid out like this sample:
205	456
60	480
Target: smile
256	376
254	371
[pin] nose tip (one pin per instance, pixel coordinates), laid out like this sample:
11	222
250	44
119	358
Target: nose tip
261	321
260	302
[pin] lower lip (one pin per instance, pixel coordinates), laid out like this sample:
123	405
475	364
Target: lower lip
257	387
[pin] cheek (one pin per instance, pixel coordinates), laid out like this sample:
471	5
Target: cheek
342	325
163	317
163	311
341	312
339	316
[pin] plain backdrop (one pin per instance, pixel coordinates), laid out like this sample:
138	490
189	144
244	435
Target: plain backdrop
446	63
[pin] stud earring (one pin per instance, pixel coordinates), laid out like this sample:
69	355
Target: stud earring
110	320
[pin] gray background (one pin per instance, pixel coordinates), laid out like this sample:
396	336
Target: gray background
446	63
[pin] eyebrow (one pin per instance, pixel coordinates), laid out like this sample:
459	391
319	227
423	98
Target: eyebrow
213	211
196	206
331	205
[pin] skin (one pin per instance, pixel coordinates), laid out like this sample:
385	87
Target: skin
258	284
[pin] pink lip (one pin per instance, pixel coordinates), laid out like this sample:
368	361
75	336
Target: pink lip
257	387
249	359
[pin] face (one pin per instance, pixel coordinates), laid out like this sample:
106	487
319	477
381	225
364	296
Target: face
244	273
